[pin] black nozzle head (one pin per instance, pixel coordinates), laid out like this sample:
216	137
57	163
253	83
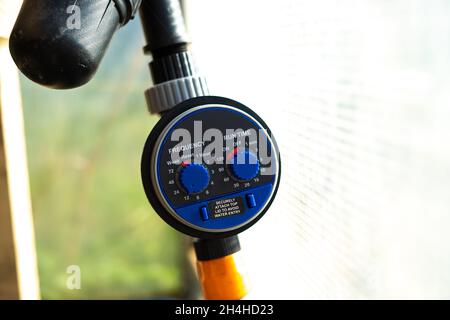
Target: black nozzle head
59	44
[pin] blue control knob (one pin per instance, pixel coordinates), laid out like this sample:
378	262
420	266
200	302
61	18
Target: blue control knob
245	165
194	177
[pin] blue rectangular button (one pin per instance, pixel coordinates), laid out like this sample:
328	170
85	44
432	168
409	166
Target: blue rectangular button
204	213
251	202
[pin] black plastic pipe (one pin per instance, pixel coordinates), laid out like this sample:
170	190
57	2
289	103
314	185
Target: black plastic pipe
164	27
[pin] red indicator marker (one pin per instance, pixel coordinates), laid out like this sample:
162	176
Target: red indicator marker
184	164
232	153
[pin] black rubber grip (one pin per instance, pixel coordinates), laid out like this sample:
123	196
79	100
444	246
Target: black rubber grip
173	66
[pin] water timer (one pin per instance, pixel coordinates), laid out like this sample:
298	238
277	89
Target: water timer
210	167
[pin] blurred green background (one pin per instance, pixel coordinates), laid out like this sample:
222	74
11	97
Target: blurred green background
84	148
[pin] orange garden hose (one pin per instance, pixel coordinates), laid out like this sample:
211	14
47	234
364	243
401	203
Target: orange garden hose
219	273
221	279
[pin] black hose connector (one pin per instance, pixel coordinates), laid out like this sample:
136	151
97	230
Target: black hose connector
167	40
210	249
173	66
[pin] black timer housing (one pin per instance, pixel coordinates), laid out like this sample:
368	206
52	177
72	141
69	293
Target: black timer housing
210	167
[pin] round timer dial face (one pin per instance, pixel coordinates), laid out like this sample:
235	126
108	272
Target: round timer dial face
210	167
